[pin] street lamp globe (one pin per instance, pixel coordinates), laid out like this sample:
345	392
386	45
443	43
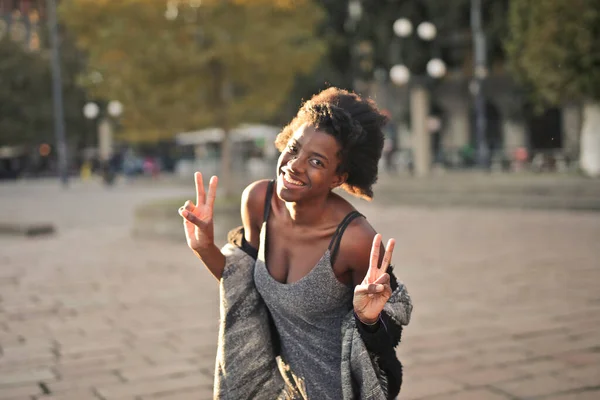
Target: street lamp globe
400	74
91	110
436	68
115	108
426	31
172	11
403	27
355	10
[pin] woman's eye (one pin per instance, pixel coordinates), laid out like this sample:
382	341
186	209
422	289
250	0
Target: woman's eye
318	163
292	148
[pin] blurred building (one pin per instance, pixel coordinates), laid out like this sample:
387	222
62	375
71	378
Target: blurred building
549	137
253	149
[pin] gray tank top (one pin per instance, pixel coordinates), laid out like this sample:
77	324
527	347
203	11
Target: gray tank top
308	315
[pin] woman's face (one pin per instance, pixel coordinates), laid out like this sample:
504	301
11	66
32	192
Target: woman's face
307	166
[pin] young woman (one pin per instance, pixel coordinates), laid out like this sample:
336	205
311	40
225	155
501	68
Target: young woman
317	266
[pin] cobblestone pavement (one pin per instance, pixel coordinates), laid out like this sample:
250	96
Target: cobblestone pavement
507	304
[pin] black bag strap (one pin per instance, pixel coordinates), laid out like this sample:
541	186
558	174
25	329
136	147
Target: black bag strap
334	245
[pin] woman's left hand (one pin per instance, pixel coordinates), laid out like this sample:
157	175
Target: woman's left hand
374	291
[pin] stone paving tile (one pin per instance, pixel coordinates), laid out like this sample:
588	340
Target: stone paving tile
157	371
588	395
83	382
543	385
9	378
486	376
23	392
78	394
476	394
427	387
198	393
506	302
157	386
588	375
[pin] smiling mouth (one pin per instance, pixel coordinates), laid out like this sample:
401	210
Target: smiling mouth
288	179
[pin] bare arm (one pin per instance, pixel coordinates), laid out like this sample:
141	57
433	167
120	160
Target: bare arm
199	227
198	221
252	209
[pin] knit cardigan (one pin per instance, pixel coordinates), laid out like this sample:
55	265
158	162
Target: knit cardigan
247	364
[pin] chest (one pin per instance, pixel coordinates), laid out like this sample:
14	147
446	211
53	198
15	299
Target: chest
292	253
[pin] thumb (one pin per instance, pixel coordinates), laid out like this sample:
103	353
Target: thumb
190	217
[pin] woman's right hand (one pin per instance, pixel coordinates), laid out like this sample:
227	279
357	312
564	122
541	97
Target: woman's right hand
198	218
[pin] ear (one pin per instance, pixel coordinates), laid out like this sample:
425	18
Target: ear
338	180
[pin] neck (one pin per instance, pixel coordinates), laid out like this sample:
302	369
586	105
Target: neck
306	213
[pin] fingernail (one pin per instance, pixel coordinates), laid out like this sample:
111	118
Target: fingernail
184	213
379	288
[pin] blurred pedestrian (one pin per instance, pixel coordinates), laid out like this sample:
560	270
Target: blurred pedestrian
306	278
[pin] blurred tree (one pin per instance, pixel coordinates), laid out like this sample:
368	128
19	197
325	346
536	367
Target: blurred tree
26	98
25	106
560	62
184	65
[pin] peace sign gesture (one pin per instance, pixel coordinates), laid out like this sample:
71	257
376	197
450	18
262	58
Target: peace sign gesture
374	291
198	218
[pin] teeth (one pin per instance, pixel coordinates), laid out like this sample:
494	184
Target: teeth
291	180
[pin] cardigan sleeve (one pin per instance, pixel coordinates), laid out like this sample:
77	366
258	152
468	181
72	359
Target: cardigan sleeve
246	365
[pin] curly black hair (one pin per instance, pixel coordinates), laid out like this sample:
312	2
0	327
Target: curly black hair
356	124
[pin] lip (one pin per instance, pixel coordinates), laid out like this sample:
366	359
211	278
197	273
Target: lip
290	185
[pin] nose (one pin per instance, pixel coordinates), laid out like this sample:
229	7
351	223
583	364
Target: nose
296	164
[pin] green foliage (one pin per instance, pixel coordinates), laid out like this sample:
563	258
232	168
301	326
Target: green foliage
26	113
554	48
220	64
25	109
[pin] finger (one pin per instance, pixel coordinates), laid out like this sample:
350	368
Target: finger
190	229
199	188
387	257
190	217
188	205
375	288
369	288
383	279
374	263
212	193
361	289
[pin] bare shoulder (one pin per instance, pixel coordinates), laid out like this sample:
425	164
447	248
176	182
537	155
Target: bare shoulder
252	209
360	236
356	244
255	192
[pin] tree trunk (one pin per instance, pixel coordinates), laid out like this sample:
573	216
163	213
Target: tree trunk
589	158
226	175
222	101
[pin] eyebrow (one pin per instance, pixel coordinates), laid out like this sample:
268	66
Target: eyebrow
320	155
297	143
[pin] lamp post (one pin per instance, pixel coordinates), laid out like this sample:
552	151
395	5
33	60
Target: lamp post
401	75
355	12
105	132
57	95
476	87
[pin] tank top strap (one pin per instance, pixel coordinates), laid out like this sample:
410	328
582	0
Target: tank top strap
268	196
334	245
